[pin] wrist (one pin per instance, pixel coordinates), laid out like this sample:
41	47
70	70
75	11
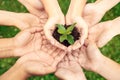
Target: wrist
97	65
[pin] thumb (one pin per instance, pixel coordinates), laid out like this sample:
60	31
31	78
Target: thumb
105	38
48	29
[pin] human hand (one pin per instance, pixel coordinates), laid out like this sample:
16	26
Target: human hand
35	63
92	14
89	56
74	15
104	32
35	7
20	20
26	41
72	69
41	63
82	29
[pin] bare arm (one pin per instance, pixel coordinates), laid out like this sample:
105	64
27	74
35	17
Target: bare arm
6	18
52	8
76	7
106	5
6	48
15	72
109	69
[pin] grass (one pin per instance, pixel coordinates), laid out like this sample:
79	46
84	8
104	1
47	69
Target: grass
111	50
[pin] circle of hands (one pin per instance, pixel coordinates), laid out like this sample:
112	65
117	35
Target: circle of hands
41	54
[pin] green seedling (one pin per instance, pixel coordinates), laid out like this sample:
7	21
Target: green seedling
66	33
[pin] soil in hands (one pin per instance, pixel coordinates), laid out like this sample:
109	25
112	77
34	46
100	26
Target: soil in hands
74	33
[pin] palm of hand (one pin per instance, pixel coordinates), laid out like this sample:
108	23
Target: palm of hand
89	56
72	70
43	55
27	41
102	33
69	66
44	61
37	63
82	29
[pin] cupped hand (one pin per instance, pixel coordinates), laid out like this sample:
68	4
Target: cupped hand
82	28
92	14
45	57
90	57
70	68
41	63
27	40
36	8
103	32
49	28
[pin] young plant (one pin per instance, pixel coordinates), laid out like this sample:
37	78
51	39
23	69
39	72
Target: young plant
66	33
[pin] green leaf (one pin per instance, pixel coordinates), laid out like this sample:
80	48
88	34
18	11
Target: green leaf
63	37
70	28
61	29
70	39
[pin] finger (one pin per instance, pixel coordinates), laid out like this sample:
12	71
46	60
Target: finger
76	45
52	50
70	56
83	30
48	29
61	64
59	58
105	38
38	41
35	29
55	53
31	8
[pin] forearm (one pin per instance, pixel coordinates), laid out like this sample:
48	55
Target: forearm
106	5
10	19
52	8
6	18
15	73
76	7
109	69
6	48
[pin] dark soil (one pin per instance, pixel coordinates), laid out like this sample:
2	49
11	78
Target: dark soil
74	33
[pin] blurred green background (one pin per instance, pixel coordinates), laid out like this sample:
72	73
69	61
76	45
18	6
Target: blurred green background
111	50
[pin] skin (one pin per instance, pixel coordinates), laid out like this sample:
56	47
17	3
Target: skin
10	47
20	20
103	32
93	12
55	16
89	56
29	40
24	42
71	68
44	63
74	15
34	7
